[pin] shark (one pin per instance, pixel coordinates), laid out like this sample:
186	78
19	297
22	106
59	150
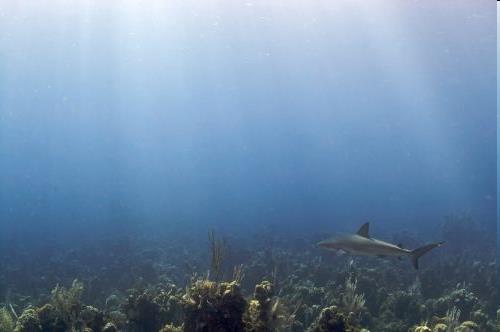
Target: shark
361	243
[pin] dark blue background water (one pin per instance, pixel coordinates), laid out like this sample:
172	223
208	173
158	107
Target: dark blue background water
243	114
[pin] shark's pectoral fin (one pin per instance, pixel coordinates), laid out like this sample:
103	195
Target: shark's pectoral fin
364	230
341	252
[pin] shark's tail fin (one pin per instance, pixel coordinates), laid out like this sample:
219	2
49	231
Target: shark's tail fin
417	253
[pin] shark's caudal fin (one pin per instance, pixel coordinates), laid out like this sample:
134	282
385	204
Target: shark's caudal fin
417	253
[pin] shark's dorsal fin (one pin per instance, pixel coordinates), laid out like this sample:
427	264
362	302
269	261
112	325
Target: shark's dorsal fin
364	230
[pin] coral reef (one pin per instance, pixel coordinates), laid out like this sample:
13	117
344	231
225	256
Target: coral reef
65	305
151	309
266	313
28	321
7	323
213	306
331	320
260	309
171	328
142	312
279	285
65	312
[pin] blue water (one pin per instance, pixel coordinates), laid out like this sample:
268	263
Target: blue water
241	115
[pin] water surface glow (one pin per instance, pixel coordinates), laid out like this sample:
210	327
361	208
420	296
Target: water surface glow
244	113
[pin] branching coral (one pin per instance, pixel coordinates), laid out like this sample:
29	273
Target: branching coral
64	313
218	251
452	319
66	302
238	274
351	300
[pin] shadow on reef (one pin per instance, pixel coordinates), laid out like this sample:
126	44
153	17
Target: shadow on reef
279	284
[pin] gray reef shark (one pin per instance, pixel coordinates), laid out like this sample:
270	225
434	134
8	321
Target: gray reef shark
362	244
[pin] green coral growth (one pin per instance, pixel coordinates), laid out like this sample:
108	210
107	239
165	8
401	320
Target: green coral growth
422	328
7	323
259	313
265	313
171	328
332	320
143	313
212	306
305	289
153	308
28	321
66	303
64	313
110	327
